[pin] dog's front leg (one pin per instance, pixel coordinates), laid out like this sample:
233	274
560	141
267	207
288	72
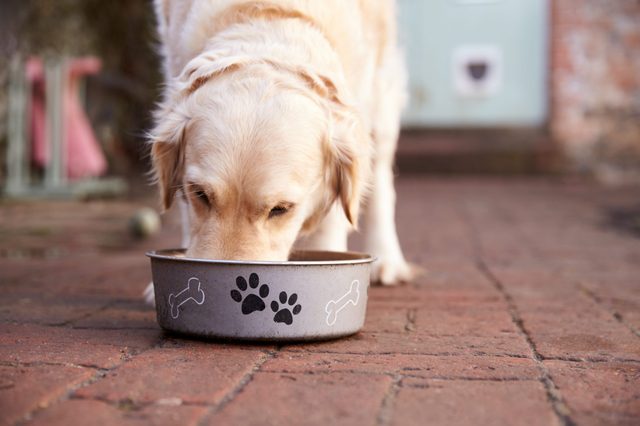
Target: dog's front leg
381	238
148	294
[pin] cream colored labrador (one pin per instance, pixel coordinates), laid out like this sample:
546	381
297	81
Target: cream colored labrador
278	119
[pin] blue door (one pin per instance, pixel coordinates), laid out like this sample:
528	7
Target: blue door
475	62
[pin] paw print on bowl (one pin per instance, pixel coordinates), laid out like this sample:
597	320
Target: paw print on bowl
250	302
284	314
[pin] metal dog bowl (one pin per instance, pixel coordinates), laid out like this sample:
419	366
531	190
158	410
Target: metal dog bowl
315	295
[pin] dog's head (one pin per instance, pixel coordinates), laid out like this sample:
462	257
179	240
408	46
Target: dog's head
260	151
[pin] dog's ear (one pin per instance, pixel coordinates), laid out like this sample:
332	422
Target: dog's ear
168	136
348	162
205	67
347	147
167	154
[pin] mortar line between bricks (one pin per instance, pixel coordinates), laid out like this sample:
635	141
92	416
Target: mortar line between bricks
137	404
615	314
51	364
433	354
553	394
403	375
86	315
591	359
238	388
65	396
73	327
115	328
472	354
385	413
100	374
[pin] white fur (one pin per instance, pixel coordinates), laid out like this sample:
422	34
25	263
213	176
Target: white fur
267	107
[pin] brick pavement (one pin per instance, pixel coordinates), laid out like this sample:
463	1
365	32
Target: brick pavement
529	314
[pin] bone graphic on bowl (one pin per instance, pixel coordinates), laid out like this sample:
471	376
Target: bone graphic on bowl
335	306
191	292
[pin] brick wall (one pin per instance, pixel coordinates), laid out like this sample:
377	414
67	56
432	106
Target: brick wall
595	85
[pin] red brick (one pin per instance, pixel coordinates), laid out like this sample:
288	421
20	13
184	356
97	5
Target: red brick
113	277
45	310
457	283
628	308
599	393
383	320
448	336
129	315
619	297
480	320
67	290
398	297
473	403
74	229
24	389
565	322
174	341
335	399
194	375
92	412
455	276
433	296
593	127
532	283
422	366
506	344
100	348
579	331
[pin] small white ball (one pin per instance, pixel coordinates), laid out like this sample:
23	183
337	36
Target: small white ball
144	223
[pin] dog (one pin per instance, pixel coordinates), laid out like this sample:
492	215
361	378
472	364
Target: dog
278	119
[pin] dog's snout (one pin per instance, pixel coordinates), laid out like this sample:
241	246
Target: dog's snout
235	246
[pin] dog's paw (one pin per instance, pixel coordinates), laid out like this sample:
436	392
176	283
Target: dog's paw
149	296
386	271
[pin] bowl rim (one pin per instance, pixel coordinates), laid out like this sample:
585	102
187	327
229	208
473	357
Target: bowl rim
355	258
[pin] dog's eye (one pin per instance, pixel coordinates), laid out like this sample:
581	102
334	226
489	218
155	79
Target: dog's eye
202	196
278	210
199	194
